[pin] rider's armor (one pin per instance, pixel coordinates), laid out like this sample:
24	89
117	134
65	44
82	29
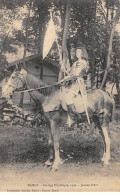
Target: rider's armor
72	87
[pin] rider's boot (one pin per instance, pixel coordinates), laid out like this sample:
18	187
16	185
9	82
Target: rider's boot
71	109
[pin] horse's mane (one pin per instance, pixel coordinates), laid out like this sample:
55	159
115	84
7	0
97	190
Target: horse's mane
34	83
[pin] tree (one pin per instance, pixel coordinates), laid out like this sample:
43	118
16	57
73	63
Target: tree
7	34
110	48
90	23
25	49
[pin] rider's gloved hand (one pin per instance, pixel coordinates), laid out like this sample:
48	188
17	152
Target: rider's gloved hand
61	81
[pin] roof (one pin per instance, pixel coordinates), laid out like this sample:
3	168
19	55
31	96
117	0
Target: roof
32	57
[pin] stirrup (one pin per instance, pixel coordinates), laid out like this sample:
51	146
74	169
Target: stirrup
71	108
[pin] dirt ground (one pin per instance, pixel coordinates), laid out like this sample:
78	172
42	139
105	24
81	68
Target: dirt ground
24	150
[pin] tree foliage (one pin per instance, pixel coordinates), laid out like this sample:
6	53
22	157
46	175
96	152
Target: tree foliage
90	23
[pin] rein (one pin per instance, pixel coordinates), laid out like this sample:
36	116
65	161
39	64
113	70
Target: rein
47	86
44	87
35	89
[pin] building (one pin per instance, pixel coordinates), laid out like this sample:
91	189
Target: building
46	70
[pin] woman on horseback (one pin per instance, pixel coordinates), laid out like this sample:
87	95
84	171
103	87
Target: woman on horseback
75	78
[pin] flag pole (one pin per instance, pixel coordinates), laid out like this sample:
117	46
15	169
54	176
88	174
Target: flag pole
60	56
84	100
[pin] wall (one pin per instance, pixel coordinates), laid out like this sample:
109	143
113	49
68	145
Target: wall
49	75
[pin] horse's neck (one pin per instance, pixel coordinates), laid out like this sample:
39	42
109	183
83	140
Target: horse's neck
43	95
33	82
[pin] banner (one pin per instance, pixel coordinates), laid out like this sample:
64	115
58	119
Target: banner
49	39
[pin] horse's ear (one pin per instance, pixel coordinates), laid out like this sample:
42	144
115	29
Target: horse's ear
18	67
24	66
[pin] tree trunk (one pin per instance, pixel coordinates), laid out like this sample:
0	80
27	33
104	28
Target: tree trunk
25	50
64	42
27	26
93	47
41	40
110	49
107	12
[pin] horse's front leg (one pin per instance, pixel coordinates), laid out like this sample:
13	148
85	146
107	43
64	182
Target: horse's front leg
55	134
50	160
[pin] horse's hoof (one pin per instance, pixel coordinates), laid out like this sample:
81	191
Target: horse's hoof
105	167
53	169
44	165
48	163
106	162
103	158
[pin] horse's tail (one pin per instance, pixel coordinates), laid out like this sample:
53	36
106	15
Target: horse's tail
109	104
113	111
113	106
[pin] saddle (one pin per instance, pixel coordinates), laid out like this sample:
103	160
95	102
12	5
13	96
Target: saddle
77	102
72	93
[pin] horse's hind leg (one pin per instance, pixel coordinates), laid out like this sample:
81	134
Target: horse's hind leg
108	115
105	128
106	156
103	133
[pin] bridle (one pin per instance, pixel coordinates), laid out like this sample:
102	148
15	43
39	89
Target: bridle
22	79
14	86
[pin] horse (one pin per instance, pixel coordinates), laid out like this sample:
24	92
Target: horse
100	107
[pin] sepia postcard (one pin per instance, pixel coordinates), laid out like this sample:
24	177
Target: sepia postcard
60	96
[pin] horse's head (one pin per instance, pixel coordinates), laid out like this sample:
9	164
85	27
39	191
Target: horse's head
13	83
22	74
